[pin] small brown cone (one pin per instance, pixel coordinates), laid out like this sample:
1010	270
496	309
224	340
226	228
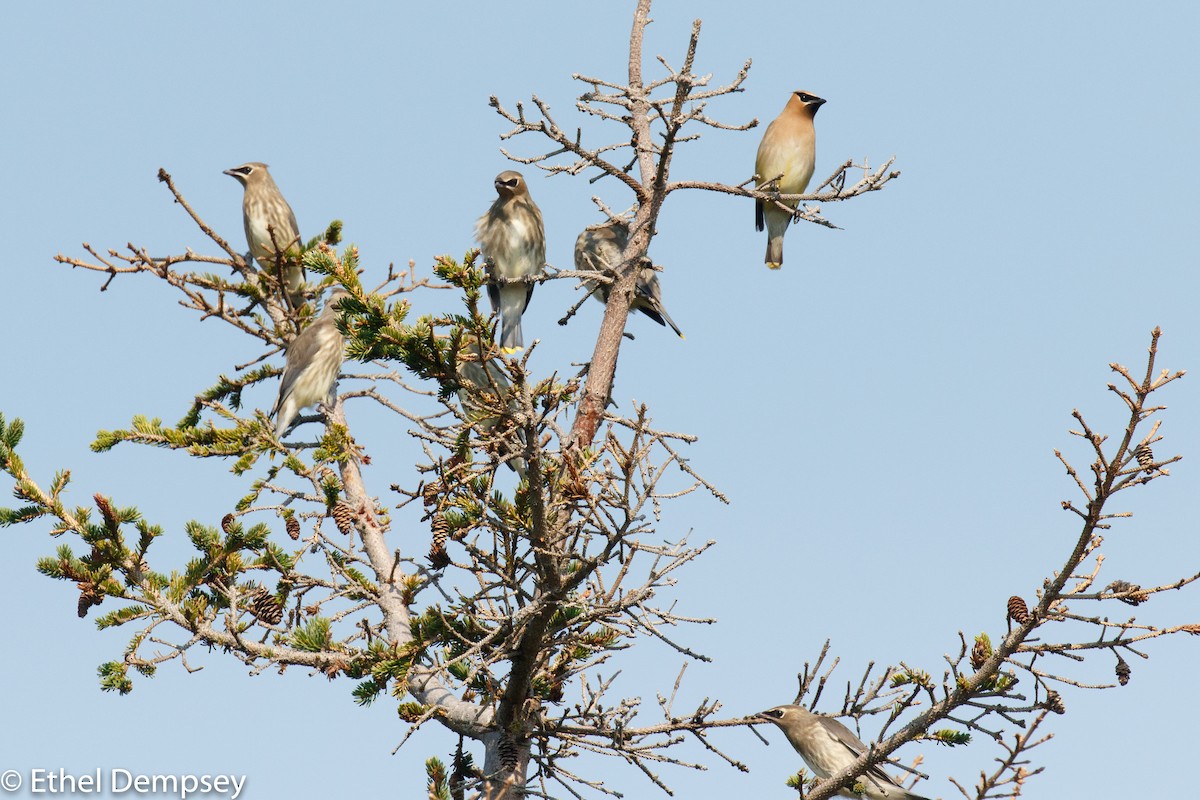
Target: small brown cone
89	597
293	527
438	557
264	606
1054	702
1018	612
1145	457
226	523
437	550
343	517
1122	671
509	751
980	652
106	511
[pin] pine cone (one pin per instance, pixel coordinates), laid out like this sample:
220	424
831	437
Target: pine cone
437	550
1122	671
293	527
1145	457
89	597
1135	594
1054	702
509	751
438	557
343	517
264	606
226	523
430	493
440	528
980	652
106	511
1018	612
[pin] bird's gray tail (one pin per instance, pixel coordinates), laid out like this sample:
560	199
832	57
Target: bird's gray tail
510	336
774	258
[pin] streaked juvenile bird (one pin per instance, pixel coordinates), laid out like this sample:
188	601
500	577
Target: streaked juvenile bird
314	359
265	211
788	149
828	746
599	250
512	239
482	386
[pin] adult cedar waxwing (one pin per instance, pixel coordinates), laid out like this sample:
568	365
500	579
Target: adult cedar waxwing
482	386
270	224
828	746
599	250
513	241
788	149
314	359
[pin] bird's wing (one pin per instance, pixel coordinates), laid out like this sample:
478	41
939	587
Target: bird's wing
300	351
843	736
846	738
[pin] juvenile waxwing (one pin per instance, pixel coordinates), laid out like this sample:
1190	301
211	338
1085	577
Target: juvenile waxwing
513	241
599	250
482	387
270	226
314	359
828	746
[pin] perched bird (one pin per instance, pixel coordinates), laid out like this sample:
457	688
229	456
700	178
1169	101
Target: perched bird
599	250
264	211
788	148
314	359
828	746
513	240
482	386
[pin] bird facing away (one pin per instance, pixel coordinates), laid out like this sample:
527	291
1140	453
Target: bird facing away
599	250
482	386
513	241
828	746
788	149
264	211
314	359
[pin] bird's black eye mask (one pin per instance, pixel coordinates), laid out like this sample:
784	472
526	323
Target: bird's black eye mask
773	713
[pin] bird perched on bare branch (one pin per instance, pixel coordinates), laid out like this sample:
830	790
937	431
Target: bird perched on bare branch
485	393
599	250
314	359
828	746
786	155
513	241
271	229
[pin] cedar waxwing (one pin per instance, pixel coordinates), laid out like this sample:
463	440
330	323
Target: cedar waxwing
828	746
482	386
314	359
788	148
513	241
599	250
263	206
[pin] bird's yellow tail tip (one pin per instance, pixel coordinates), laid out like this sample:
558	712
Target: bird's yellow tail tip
774	264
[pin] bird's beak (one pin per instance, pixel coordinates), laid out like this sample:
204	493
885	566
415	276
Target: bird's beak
761	715
230	173
820	103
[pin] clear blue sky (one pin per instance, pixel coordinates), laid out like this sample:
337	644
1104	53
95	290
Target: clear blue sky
882	412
